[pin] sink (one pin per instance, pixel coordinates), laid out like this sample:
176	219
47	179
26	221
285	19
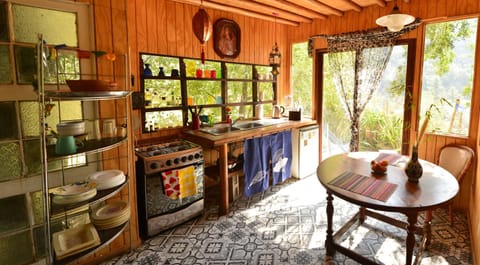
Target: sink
248	125
219	130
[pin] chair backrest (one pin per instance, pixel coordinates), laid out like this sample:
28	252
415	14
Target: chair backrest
456	159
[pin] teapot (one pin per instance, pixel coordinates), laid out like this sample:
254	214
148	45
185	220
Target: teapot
278	111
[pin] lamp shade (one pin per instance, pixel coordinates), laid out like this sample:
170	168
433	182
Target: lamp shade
395	21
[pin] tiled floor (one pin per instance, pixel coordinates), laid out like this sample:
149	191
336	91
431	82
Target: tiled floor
287	225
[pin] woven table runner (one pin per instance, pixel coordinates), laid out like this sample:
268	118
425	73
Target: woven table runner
366	186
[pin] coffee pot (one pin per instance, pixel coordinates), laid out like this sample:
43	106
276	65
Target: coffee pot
278	111
67	145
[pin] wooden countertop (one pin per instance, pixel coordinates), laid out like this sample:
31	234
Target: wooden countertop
211	141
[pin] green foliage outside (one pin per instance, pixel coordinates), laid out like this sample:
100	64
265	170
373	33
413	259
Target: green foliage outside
301	77
206	92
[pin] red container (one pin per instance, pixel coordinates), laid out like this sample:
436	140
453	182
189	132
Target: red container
199	73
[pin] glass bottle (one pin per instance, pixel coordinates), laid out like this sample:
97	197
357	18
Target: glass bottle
147	71
161	73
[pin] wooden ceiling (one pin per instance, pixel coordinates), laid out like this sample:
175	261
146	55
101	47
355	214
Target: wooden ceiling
289	12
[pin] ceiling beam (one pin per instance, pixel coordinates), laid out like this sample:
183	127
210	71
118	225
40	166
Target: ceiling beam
239	11
381	3
352	5
292	8
258	8
317	7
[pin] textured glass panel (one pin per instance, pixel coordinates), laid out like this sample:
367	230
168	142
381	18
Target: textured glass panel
5	66
16	249
3	21
8	120
25	64
37	207
29	118
57	27
39	238
10	160
71	110
31	152
13	213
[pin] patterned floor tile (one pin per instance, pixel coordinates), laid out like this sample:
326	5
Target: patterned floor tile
286	225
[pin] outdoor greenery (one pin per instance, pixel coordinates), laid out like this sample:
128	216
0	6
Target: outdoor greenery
161	95
301	77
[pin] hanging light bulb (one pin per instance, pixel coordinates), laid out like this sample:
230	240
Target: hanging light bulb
395	21
275	57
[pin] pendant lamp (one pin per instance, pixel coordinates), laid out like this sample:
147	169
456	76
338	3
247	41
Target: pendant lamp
202	28
275	57
395	21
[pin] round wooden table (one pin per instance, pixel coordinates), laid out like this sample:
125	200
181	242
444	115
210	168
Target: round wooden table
436	187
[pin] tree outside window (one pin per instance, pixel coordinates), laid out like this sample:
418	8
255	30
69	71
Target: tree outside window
448	66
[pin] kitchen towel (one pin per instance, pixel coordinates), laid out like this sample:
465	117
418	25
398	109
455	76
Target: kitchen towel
179	183
255	165
281	155
187	181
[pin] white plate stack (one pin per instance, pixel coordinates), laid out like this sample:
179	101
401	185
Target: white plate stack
73	193
110	215
107	179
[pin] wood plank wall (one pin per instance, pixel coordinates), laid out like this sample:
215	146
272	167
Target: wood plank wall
165	27
429	11
111	35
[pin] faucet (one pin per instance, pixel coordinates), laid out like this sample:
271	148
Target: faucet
235	121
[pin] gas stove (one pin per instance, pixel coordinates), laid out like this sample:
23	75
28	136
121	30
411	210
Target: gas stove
168	155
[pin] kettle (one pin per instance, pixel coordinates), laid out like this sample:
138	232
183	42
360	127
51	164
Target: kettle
277	111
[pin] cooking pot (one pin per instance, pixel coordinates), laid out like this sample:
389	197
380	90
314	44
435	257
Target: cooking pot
278	111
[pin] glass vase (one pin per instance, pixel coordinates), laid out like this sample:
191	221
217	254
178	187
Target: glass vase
414	169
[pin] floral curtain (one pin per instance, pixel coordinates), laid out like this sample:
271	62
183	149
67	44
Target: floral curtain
364	56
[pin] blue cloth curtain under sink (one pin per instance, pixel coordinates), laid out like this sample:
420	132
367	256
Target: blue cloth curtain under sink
258	153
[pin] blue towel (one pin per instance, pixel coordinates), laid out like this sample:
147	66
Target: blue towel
258	153
281	150
255	165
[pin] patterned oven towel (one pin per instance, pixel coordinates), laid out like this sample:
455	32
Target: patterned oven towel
179	183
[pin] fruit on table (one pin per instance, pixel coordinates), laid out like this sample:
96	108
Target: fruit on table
379	166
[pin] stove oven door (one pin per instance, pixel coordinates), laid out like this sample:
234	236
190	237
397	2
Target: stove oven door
174	189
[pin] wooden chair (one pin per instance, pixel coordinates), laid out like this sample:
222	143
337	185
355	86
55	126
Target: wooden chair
456	159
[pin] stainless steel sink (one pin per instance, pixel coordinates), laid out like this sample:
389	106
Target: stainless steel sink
219	130
248	125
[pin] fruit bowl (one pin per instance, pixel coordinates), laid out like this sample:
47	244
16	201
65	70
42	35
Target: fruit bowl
379	168
91	85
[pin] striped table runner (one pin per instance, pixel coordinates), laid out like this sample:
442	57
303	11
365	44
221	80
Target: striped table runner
366	186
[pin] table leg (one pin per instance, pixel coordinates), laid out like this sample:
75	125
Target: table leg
363	215
330	248
223	153
427	228
412	221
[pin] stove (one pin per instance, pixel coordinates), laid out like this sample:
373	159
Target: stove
168	155
159	170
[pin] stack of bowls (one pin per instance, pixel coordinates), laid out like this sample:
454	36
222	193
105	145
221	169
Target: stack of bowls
110	215
71	128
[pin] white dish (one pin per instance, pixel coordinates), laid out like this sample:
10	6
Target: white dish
110	210
74	240
107	179
74	189
61	200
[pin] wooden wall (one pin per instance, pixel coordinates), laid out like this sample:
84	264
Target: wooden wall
429	11
165	27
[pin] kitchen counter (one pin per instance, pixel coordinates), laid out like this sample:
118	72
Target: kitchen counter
220	142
